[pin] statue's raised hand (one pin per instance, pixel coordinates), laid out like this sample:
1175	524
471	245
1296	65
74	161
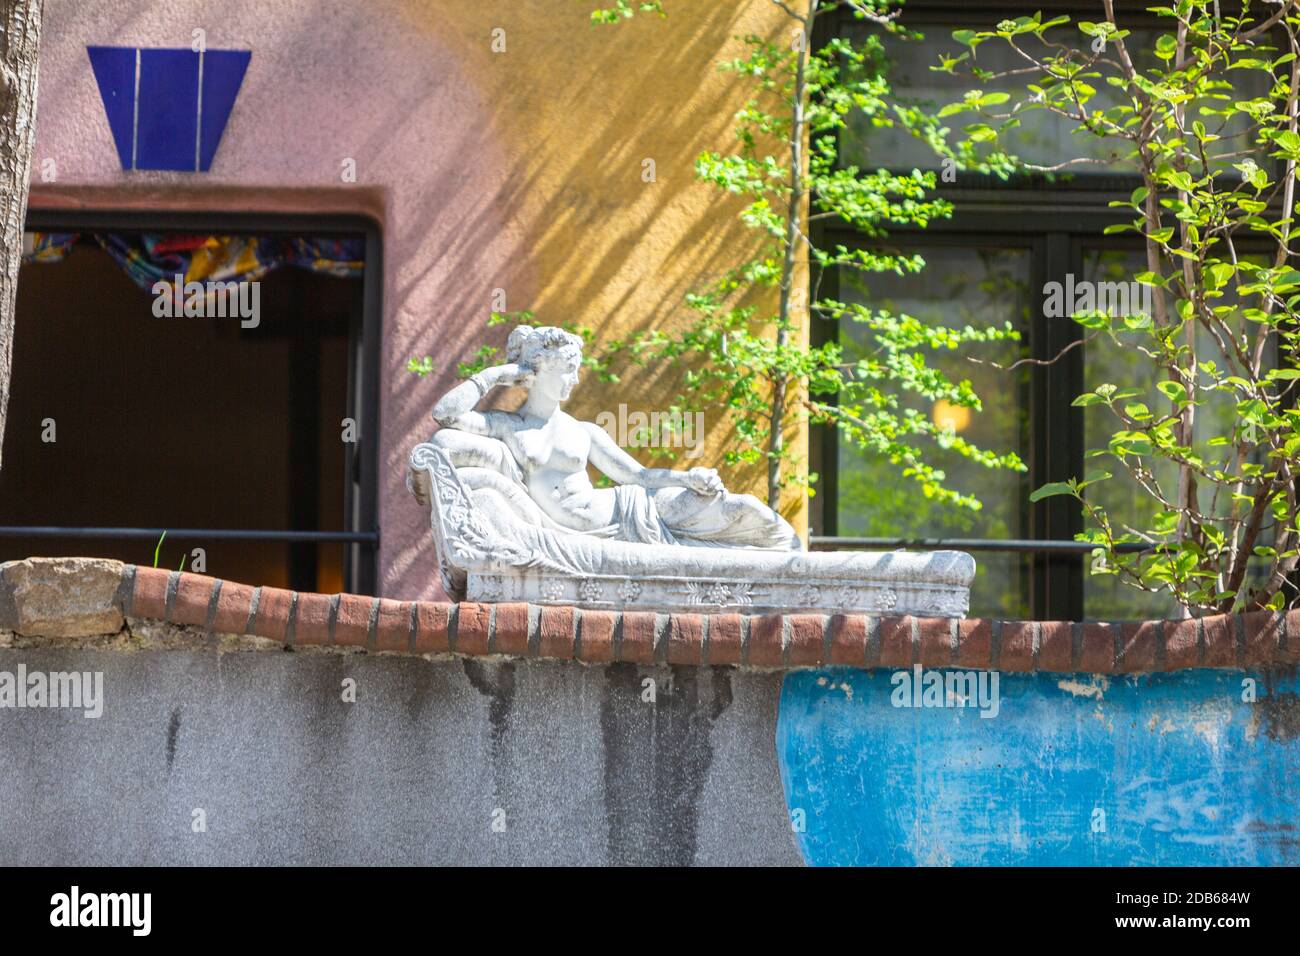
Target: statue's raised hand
704	481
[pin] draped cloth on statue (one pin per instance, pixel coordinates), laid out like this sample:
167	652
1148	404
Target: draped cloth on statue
696	522
637	519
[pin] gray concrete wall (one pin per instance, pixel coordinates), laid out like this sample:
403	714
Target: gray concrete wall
569	757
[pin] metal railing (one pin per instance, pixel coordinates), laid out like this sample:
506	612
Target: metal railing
818	542
821	542
211	534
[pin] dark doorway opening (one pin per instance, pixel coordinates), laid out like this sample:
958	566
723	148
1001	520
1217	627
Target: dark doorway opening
245	442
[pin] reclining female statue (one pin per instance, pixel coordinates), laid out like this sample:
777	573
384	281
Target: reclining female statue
537	459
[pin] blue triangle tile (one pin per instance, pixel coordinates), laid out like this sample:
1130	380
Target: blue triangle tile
223	72
114	69
167	120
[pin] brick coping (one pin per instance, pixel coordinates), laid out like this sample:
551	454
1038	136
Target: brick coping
774	641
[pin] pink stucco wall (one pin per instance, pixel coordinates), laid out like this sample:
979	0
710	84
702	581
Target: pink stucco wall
453	146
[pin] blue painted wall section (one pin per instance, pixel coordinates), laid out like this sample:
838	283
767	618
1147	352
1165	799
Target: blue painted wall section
1159	769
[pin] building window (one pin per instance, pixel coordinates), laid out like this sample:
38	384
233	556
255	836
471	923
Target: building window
989	264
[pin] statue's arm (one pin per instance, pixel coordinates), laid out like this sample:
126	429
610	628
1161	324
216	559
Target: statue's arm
456	408
614	462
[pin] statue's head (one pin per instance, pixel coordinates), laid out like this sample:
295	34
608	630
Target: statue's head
553	355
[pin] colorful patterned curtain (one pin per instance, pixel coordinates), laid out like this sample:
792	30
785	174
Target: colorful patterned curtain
149	259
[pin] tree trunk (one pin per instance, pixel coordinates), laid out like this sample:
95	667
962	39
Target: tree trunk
793	229
20	21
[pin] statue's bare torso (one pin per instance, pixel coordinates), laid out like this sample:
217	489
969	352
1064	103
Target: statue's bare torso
553	456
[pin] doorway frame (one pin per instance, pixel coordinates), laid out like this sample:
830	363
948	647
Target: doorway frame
365	336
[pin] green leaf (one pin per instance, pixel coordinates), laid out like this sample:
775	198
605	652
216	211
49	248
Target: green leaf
1220	273
1052	488
1093	477
1174	391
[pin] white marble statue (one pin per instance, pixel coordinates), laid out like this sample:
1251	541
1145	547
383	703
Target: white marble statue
548	450
515	516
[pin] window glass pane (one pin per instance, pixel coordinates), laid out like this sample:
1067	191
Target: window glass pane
1043	138
958	286
1123	497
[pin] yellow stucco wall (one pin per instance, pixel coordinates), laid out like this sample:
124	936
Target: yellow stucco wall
578	108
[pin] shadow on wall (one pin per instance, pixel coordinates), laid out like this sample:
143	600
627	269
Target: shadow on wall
575	109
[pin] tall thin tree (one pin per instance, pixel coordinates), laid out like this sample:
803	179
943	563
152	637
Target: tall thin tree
20	36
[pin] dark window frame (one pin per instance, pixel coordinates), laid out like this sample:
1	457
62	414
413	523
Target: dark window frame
361	505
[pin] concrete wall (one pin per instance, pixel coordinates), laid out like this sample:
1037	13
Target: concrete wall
725	767
519	170
319	730
578	767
